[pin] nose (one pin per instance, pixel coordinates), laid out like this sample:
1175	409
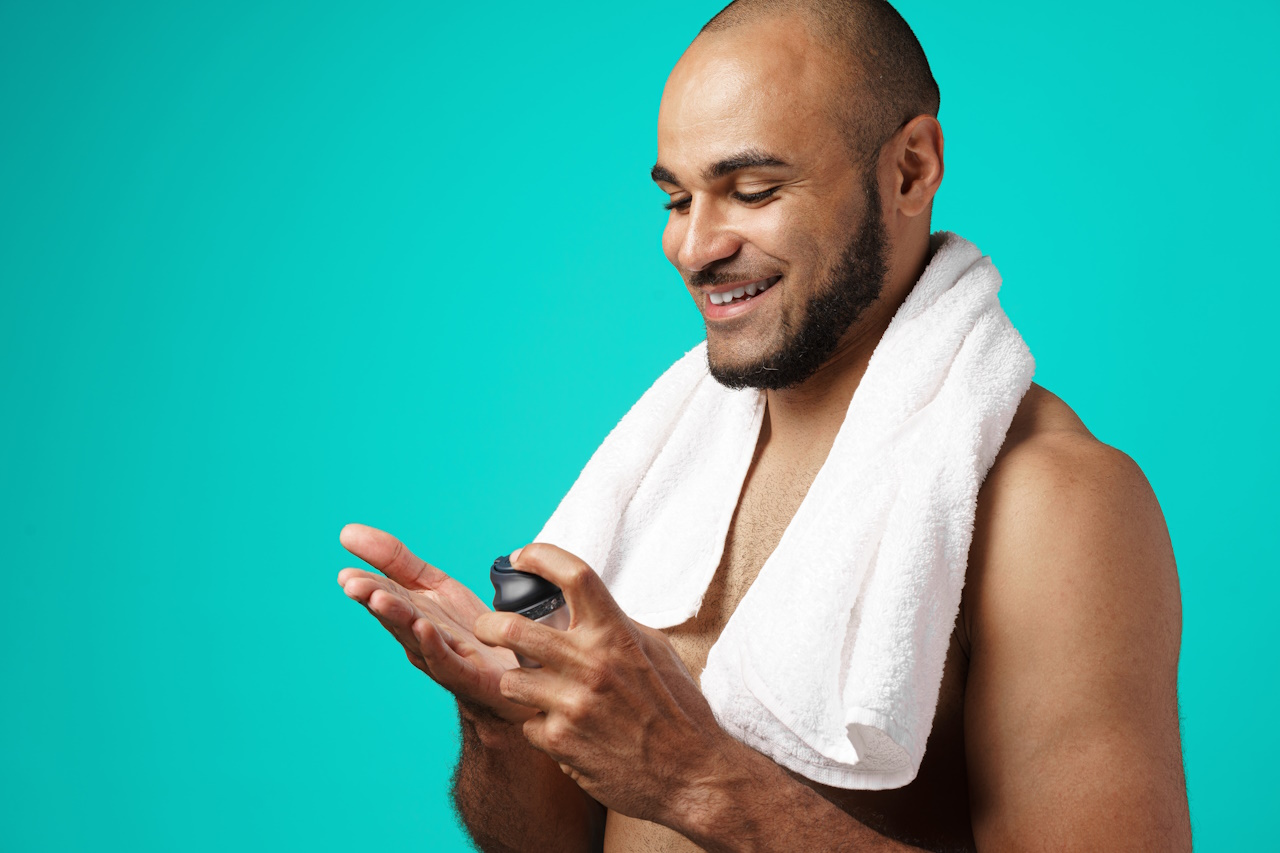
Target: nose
707	237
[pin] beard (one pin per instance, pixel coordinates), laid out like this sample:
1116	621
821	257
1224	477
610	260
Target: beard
853	284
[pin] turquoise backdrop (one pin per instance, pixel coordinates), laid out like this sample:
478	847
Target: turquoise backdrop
271	267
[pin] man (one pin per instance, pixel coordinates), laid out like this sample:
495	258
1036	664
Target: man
799	146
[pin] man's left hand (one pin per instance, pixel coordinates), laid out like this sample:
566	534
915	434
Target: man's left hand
618	709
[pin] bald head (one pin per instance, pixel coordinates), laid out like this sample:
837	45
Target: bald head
800	156
883	76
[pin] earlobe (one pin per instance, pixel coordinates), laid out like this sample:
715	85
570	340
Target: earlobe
920	164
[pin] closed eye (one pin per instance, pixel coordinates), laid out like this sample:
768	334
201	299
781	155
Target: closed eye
751	198
747	198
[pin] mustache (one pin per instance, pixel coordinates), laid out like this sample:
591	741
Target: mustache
710	278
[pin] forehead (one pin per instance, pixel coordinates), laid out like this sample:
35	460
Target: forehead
767	87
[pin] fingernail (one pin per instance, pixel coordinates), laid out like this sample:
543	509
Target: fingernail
515	555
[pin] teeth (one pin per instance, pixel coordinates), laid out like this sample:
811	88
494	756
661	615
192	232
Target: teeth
748	290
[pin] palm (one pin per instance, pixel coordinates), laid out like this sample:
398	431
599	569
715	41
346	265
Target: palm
432	616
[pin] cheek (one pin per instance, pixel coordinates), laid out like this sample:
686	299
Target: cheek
786	232
773	233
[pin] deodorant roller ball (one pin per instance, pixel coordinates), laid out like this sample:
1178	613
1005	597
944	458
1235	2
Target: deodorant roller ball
529	595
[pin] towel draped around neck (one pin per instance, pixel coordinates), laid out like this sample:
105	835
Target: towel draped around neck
832	661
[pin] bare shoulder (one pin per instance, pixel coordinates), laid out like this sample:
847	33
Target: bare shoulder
1054	485
1073	615
1045	438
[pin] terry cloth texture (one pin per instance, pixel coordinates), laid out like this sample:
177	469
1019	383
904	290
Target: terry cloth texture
832	661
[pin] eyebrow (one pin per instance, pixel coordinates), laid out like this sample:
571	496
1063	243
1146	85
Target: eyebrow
748	159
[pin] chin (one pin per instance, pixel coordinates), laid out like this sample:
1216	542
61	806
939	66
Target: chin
739	369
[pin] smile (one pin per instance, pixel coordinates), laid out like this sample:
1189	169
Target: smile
742	292
735	300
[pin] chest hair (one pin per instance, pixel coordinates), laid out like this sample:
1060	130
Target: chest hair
771	494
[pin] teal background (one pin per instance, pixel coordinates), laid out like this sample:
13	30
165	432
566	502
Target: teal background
271	267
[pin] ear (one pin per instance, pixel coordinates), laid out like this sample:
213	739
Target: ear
917	164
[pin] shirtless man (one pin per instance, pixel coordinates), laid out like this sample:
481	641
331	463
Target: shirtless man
783	147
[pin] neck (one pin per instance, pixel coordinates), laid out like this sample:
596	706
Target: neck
811	413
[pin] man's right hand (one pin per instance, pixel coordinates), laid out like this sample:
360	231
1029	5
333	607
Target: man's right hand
431	615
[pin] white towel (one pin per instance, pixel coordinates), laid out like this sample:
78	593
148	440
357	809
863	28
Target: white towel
831	663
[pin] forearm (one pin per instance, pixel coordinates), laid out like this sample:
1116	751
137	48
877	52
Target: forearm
753	805
512	797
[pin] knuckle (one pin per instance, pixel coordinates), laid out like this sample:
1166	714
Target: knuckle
511	631
578	577
533	729
537	551
574	709
556	735
508	682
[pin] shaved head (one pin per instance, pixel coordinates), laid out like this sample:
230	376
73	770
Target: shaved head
799	153
885	77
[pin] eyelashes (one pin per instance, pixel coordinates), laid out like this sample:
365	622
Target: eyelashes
746	198
752	198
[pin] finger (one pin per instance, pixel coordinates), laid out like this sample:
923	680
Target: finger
394	619
554	735
427	645
395	611
431	652
452	661
389	555
386	600
361	586
352	580
400	634
588	599
546	645
434	645
534	688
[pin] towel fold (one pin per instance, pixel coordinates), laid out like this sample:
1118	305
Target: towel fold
832	661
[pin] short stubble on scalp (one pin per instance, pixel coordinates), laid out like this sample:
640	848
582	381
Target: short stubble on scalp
887	80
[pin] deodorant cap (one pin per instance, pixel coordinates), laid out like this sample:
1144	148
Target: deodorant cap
521	592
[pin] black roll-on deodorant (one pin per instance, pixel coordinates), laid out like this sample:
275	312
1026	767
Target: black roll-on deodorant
529	595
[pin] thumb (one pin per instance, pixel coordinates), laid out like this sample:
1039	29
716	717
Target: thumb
588	599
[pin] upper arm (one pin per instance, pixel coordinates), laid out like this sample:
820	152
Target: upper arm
1071	716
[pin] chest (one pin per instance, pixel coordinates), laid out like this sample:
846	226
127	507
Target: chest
933	809
773	491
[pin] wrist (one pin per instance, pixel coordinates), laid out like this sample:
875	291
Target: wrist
719	810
